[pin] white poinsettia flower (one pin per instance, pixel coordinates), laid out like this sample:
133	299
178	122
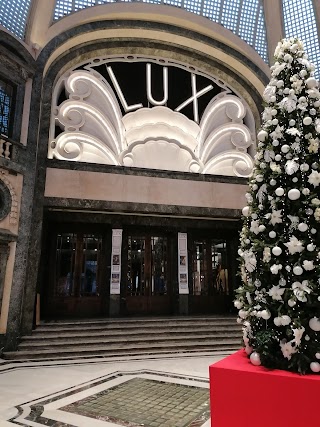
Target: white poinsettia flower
268	155
288	104
277	133
308	265
254	227
315	201
300	290
293	131
276	293
267	114
297	333
268	93
291	167
278	68
313	93
294	245
314	178
275	268
287	349
276	217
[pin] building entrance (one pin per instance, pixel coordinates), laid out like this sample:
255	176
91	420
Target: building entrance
148	276
75	276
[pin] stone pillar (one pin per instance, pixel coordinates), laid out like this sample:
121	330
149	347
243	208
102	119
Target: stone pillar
4	255
274	25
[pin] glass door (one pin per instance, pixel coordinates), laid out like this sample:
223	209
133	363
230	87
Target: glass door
75	276
209	290
147	274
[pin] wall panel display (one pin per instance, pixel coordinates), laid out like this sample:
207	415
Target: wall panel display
116	261
183	263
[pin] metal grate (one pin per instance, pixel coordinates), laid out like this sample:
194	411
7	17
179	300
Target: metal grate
300	21
244	18
14	14
6	97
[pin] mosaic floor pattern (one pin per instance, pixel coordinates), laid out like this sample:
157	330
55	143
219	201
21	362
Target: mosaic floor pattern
130	399
144	402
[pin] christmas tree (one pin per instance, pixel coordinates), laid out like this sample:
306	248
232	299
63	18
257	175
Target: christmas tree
279	300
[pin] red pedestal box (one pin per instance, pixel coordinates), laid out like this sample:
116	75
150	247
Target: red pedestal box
243	395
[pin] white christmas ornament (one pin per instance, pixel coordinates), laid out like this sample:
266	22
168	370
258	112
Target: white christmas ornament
311	82
285	148
317	355
259	178
275	122
307	121
272	234
262	135
297	270
275	143
255	358
302	227
304	167
243	314
273	182
285	320
315	367
311	247
261	228
292	122
246	211
276	251
277	321
265	314
278	157
291	303
280	191
314	324
294	194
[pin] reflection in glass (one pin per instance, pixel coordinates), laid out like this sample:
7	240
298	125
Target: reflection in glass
77	261
209	267
147	266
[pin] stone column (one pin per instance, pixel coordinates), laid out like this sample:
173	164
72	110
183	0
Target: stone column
274	24
4	255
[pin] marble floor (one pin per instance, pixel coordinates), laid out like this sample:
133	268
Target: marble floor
164	391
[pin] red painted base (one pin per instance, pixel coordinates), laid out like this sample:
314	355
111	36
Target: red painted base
243	395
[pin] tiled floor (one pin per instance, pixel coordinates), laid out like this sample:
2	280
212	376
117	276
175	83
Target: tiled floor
166	391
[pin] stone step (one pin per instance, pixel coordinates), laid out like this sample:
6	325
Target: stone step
103	332
125	350
30	344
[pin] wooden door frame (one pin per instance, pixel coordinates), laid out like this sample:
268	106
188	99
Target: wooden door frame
63	307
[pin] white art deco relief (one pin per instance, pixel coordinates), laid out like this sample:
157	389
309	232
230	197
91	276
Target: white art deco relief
94	130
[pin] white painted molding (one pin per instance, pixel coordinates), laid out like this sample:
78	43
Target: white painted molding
95	131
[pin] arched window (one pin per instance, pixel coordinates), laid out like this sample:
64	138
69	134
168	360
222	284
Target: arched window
300	21
244	18
13	16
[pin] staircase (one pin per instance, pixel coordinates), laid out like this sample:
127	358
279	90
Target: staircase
128	337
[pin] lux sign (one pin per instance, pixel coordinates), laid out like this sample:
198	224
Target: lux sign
192	99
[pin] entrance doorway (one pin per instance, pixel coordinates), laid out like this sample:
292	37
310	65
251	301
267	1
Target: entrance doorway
75	276
210	290
148	279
